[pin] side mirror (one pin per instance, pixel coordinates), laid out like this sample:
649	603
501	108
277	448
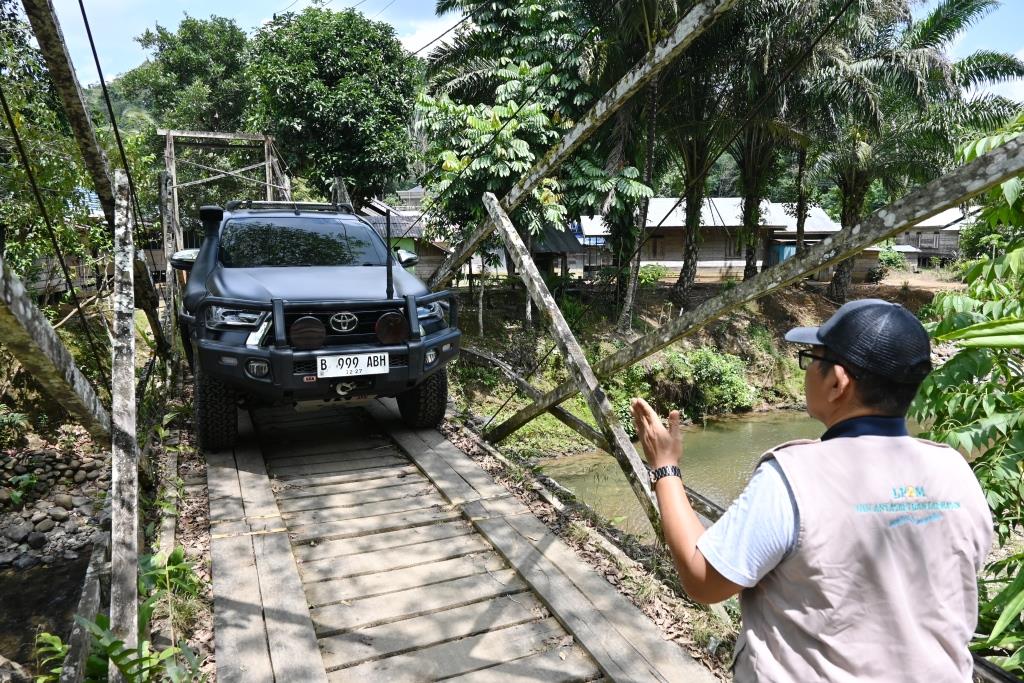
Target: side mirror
184	259
407	258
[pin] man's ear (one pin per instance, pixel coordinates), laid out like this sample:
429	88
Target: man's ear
841	386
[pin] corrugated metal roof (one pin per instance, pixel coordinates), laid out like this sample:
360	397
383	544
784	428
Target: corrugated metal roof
399	224
555	241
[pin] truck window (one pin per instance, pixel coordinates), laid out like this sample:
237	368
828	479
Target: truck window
299	241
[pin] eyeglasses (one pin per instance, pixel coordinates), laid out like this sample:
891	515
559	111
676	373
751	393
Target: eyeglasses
806	359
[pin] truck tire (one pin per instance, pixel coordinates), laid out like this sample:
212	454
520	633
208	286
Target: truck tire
216	420
423	406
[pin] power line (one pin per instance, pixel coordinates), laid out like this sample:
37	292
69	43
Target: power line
384	9
804	56
460	22
53	236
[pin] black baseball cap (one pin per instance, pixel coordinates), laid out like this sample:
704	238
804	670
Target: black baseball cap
879	337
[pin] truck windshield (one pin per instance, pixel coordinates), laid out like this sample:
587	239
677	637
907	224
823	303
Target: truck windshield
299	241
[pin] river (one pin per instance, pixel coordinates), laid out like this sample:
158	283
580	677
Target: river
718	459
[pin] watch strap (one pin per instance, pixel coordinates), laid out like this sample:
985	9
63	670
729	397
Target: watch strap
666	471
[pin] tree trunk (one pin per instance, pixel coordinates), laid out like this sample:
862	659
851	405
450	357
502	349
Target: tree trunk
751	224
839	287
625	323
529	302
691	237
801	200
469	266
480	298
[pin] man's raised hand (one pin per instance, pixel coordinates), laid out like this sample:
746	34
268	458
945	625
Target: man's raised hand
661	446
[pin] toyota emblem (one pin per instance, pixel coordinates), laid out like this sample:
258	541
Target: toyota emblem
344	321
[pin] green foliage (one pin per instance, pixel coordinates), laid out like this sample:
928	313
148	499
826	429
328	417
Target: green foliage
720	383
890	259
336	89
975	402
651	274
194	77
13	427
23	484
50	652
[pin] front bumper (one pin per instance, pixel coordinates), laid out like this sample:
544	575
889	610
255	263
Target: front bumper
293	376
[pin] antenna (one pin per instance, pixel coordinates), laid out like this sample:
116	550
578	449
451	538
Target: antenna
390	290
339	195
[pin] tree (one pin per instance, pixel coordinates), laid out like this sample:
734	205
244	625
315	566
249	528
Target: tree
337	91
194	78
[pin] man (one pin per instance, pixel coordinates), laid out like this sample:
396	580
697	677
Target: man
856	555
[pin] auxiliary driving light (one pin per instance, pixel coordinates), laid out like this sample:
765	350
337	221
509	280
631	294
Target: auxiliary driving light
307	333
392	328
258	368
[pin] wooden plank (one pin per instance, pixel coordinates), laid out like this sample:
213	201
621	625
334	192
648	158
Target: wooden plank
953	189
616	656
296	459
209	134
294	653
257	495
124	477
454	658
310	483
423	499
30	338
632	465
626	618
376	462
224	490
285	492
557	665
348	528
79	643
415	602
239	631
375	542
355	647
339	500
285	451
392	558
700	17
387	582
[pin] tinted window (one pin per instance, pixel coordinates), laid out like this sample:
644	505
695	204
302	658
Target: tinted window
299	241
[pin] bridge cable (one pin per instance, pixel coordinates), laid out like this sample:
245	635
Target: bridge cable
117	137
97	357
803	57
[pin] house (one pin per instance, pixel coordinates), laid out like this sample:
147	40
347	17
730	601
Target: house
937	237
721	253
407	228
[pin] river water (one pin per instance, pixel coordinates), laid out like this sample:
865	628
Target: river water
718	459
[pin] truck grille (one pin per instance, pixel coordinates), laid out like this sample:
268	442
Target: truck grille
363	333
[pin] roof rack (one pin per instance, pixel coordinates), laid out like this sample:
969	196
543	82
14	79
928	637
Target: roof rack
297	207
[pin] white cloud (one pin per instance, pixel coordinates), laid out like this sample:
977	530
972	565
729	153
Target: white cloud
420	32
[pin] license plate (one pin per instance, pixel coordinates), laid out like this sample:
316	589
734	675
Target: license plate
351	365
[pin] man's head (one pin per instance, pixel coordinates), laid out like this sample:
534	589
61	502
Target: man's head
867	359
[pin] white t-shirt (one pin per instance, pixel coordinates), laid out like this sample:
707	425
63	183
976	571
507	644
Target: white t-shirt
757	531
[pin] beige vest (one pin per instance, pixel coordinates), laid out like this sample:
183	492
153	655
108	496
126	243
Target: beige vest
882	583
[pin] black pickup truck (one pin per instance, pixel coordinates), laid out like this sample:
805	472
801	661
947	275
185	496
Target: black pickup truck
291	302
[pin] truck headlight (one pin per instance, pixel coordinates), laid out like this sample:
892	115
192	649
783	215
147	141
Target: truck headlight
433	310
220	316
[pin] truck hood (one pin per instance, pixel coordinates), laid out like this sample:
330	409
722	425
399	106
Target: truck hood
311	283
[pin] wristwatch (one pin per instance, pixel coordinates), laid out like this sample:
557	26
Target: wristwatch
666	471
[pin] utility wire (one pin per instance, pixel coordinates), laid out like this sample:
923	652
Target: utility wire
460	22
97	357
804	56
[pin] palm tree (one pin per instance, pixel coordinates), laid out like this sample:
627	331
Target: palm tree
923	104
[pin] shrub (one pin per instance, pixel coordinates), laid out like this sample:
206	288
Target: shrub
651	274
876	274
890	259
13	428
720	383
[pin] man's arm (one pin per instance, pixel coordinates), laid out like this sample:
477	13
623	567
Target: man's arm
680	523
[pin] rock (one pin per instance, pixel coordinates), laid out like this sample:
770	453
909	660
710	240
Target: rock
5	495
12	672
64	500
94	474
37	516
8	557
80	476
89	465
45	525
36	540
26	561
70	555
47	559
20	469
59	514
103	485
18	531
75	464
79	500
85	510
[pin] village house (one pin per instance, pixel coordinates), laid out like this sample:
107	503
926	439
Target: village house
936	239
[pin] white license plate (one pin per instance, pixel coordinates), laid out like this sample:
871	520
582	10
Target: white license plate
352	364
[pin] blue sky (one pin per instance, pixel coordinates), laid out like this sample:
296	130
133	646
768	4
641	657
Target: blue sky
115	23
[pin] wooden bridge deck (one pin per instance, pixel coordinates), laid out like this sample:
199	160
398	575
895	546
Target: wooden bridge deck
348	548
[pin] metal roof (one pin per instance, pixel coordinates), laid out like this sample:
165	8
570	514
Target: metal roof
555	241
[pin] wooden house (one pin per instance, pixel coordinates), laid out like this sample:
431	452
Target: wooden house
934	238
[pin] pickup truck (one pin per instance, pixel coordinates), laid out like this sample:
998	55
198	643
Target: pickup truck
294	302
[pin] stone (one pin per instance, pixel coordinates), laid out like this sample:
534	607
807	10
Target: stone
5	495
70	555
26	561
18	531
64	500
79	500
20	469
94	474
8	557
59	514
12	672
36	540
80	476
89	465
75	464
44	526
85	510
37	517
47	559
